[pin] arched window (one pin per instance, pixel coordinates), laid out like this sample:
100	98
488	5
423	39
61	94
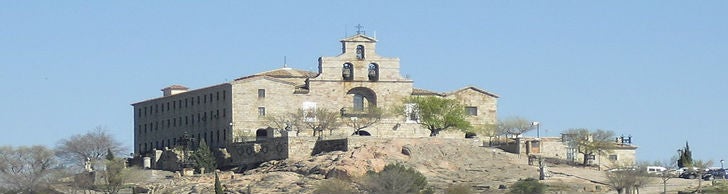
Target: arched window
347	72
360	52
373	72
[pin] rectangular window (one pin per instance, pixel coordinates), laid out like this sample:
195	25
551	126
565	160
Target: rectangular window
204	98
193	119
217	96
471	110
224	93
156	108
613	157
145	111
198	99
261	93
167	106
140	112
187	120
156	125
412	113
261	111
223	112
162	107
185	102
309	111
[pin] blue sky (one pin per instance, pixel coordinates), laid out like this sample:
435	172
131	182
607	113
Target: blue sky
650	69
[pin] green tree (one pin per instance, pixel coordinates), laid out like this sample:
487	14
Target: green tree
590	143
515	126
395	178
109	154
439	114
686	157
115	175
528	186
218	186
204	158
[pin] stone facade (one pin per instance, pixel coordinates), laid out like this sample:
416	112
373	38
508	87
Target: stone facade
228	113
556	147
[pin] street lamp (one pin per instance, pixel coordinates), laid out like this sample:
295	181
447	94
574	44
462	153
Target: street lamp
538	130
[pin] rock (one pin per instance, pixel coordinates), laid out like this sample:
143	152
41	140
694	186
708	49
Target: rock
406	150
502	187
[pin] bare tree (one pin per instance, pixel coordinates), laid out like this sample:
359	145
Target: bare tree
93	145
280	122
366	118
702	165
515	126
627	180
318	120
590	143
27	169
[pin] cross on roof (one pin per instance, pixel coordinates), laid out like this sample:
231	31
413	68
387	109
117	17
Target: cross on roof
358	29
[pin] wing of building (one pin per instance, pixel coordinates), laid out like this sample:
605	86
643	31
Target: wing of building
355	79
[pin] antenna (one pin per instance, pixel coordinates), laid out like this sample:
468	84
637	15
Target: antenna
285	64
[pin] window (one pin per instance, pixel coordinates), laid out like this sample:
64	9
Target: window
224	93
261	93
471	110
347	72
217	96
140	112
373	72
185	102
309	111
156	108
412	113
261	111
613	157
359	52
223	112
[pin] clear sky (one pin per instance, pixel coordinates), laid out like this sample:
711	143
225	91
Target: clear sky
651	69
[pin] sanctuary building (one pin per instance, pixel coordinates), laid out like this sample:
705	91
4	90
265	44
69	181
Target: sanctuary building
352	81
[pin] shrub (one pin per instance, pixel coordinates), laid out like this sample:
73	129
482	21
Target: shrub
334	186
395	178
459	189
528	186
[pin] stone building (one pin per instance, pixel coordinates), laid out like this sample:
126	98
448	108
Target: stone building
622	153
353	80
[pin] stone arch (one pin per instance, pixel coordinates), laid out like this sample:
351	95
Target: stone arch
362	98
261	134
347	71
373	72
361	133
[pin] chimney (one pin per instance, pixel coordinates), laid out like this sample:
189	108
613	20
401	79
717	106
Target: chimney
173	89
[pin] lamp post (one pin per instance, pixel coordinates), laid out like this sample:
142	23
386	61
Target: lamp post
538	130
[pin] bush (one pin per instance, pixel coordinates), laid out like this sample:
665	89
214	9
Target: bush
528	186
395	178
459	189
334	186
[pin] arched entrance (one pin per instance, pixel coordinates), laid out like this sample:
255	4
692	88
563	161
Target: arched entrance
361	133
362	98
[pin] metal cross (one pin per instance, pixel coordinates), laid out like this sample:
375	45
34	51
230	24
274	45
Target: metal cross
358	29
